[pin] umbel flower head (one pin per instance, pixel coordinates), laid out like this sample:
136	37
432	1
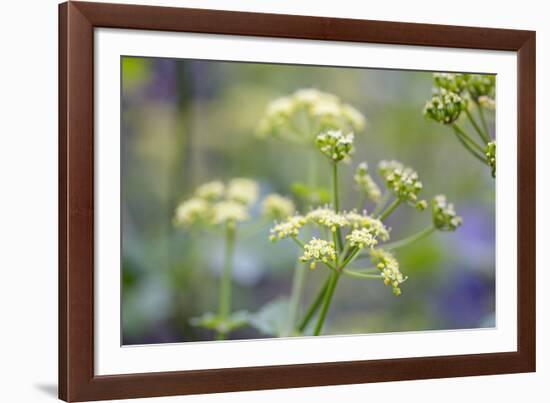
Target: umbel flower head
242	190
300	116
491	154
443	214
445	107
366	184
374	225
214	203
361	238
192	211
401	180
452	82
327	217
210	191
318	250
277	207
335	145
229	211
389	268
289	228
481	85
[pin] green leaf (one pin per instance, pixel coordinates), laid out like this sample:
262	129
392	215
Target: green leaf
272	318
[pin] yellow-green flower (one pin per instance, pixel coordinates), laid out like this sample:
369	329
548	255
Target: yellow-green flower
366	184
289	228
318	250
389	268
210	191
361	238
277	206
444	215
229	211
335	145
192	211
402	180
327	217
242	190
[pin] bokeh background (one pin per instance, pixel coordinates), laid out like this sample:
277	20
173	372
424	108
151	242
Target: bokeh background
186	122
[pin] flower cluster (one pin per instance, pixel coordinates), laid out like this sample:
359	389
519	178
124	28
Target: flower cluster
389	268
300	116
289	228
242	190
452	82
215	203
490	153
402	180
277	207
327	217
318	250
443	214
374	225
229	211
481	85
360	238
445	107
366	184
335	145
191	212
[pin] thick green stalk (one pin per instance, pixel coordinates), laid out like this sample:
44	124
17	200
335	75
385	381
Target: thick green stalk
313	307
333	280
386	213
298	278
336	202
225	287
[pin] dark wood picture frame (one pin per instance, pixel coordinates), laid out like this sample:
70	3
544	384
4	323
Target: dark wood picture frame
77	381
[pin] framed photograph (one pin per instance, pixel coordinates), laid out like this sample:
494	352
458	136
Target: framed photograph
256	201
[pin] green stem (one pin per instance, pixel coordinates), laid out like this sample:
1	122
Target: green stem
386	213
298	242
380	205
333	280
483	122
336	202
352	273
468	139
481	133
313	307
225	287
295	296
410	239
468	147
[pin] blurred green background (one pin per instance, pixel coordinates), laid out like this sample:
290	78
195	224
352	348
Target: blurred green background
186	122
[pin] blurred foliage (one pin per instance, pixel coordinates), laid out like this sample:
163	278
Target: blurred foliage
185	122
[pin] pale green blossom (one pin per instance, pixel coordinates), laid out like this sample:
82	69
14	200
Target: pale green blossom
445	107
327	217
361	238
366	184
335	145
277	206
402	180
229	211
444	215
491	155
374	225
289	228
389	268
318	250
211	190
299	117
192	211
242	190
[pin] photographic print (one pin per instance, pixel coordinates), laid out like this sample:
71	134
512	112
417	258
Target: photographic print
268	200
